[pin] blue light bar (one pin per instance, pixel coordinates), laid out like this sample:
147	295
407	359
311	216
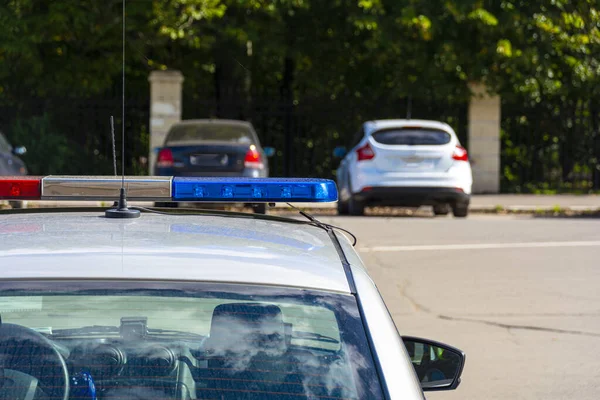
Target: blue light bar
254	190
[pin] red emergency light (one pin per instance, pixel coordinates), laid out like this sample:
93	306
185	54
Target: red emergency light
20	188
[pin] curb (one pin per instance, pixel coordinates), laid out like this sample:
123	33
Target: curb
330	208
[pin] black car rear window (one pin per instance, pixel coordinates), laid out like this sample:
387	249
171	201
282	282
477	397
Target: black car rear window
412	136
210	133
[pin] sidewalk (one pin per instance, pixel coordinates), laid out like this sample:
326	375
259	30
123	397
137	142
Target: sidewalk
516	202
479	203
526	202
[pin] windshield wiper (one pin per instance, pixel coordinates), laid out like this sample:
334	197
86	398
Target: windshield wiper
314	336
115	330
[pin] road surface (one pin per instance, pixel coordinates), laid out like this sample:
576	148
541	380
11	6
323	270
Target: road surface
520	295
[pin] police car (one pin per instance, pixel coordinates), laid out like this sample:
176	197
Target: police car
178	304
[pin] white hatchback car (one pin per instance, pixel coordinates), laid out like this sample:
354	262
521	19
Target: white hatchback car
407	163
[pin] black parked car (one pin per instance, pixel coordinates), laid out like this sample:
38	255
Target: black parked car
10	163
213	147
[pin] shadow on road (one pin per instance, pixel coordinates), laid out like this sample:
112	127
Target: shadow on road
388	212
568	215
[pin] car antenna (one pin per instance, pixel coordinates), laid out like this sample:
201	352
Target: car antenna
121	211
114	152
409	107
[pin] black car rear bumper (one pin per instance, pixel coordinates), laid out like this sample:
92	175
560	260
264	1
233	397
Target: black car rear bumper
412	196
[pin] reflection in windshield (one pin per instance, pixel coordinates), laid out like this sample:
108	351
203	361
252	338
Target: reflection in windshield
231	341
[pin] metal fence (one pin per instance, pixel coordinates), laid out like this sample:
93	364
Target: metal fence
83	124
548	147
545	146
305	132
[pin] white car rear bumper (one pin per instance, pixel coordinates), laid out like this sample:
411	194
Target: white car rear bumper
458	177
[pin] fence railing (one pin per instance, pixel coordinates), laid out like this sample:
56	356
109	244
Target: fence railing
83	126
305	132
550	147
545	146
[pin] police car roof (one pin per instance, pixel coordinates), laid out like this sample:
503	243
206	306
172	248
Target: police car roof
85	245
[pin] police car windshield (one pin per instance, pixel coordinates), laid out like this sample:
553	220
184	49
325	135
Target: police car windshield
226	341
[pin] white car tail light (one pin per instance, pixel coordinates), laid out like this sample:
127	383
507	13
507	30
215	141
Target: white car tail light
460	154
365	153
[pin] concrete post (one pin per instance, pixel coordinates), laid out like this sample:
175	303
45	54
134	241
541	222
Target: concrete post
484	140
165	108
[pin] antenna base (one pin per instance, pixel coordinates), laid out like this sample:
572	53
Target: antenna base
121	210
121	213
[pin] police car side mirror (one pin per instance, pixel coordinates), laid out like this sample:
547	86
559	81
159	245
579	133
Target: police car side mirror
339	152
438	366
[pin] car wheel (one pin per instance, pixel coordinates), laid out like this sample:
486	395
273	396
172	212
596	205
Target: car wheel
260	208
342	207
356	207
166	205
16	204
441	209
460	210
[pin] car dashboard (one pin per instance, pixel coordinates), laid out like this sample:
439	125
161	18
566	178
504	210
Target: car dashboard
121	368
176	368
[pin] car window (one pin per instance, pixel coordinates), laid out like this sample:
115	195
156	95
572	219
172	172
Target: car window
236	341
209	132
4	144
412	136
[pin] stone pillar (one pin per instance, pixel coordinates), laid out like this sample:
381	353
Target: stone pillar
165	108
484	140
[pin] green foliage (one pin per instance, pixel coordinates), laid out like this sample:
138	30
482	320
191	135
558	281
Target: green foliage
48	152
542	57
341	46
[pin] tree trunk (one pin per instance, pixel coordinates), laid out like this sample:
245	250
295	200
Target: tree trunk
287	98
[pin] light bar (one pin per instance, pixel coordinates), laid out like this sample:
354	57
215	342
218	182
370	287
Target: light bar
105	187
169	189
20	187
265	190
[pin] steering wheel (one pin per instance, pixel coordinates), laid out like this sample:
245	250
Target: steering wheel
27	355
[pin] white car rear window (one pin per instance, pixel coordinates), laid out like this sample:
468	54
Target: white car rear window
412	136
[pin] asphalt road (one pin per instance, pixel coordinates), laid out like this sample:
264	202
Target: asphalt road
520	295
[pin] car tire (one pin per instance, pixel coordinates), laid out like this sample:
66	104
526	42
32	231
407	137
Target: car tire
460	210
260	208
15	204
166	205
356	207
342	207
441	209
